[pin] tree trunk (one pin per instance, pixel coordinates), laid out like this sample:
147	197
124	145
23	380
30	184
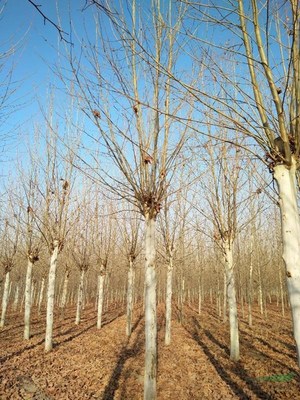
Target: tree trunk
106	291
290	225
64	291
100	299
41	295
225	299
199	298
281	291
250	289
27	300
242	306
50	298
231	295
16	300
200	292
218	297
260	291
80	297
130	280
181	299
5	298
150	312
169	302
33	291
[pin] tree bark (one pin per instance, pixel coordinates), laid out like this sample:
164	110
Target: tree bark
281	291
150	312
181	298
28	301
250	288
130	280
16	300
290	225
225	299
260	291
199	298
232	305
80	297
169	302
100	299
41	295
5	298
50	299
200	292
65	291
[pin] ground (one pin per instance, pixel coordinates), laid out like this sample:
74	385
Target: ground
87	363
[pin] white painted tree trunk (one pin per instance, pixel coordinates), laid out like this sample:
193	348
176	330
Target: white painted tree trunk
50	299
28	300
80	297
150	312
33	291
41	296
199	298
250	320
96	297
22	301
65	290
290	225
169	302
225	299
106	291
181	299
281	292
260	291
100	299
242	305
5	298
250	289
130	281
16	300
232	305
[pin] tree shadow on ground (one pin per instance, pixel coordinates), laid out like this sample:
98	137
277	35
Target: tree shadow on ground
289	346
74	327
194	332
269	346
211	337
81	331
9	329
126	353
19	352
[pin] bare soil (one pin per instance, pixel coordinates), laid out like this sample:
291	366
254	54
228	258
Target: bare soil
87	363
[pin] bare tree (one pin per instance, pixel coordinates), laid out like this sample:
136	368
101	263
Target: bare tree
173	221
168	228
130	228
33	241
104	235
259	61
63	300
80	246
55	182
130	103
10	236
223	188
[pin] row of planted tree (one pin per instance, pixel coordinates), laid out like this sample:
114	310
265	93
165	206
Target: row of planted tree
97	244
194	283
172	126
